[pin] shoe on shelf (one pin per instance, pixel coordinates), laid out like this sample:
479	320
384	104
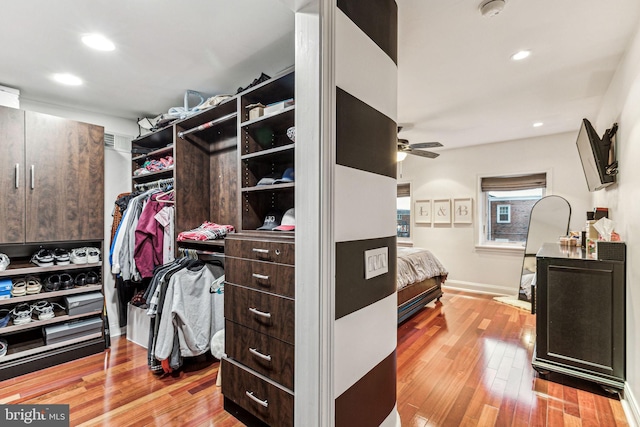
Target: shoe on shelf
4	262
66	281
93	255
5	315
43	258
18	288
81	280
61	256
44	309
33	285
3	347
78	256
52	283
21	314
92	278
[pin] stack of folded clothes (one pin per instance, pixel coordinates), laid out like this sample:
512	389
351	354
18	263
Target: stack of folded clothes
207	231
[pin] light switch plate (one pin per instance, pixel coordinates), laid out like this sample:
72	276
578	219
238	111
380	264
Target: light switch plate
376	262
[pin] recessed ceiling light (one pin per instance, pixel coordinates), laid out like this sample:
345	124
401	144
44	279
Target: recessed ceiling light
98	42
537	124
67	79
518	56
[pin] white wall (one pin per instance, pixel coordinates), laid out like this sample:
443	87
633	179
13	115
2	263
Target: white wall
455	174
622	104
117	170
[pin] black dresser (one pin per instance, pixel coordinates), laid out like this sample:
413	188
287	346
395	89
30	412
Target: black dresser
580	314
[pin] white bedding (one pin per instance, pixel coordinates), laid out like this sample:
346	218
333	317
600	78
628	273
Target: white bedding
416	265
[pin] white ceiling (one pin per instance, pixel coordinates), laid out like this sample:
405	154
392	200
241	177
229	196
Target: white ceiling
456	82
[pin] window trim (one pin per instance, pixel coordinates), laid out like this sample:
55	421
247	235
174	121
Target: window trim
506	248
406	241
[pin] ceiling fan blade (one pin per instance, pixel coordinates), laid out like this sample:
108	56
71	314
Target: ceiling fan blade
426	145
429	154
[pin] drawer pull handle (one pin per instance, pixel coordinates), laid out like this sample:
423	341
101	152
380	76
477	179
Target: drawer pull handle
255	399
256	353
260	313
17	175
261	251
260	276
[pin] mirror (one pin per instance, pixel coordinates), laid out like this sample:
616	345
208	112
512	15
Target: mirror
548	221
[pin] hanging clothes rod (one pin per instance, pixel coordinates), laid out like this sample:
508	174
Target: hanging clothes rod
153	184
208	125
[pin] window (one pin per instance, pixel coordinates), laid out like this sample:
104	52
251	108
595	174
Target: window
403	206
504	214
507	203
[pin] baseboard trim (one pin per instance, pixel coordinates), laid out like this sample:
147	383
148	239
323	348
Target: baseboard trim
630	407
477	288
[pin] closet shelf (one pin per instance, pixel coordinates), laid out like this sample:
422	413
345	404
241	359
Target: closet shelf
152	175
156	139
208	125
154	153
29	348
49	295
217	242
60	317
23	267
268	188
271	152
279	116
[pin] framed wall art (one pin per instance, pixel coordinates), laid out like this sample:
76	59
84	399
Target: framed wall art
422	212
442	211
463	211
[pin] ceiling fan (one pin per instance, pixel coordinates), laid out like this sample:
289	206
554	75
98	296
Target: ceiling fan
404	148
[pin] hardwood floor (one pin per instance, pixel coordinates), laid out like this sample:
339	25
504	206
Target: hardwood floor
464	362
467	362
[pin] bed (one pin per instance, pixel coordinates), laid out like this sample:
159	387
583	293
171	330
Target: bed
419	280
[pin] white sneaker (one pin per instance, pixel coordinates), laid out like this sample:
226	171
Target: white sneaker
4	262
93	255
78	256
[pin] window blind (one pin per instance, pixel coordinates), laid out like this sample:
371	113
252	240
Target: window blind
404	190
508	183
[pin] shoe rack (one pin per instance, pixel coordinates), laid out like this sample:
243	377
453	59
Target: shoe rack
28	348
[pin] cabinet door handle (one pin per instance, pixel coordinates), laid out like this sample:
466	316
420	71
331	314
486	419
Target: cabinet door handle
255	399
260	313
260	276
261	251
17	175
262	356
33	176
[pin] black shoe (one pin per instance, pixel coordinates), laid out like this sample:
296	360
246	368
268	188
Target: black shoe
43	258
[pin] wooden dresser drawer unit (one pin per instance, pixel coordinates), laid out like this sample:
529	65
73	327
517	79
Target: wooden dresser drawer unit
261	250
263	398
264	276
269	356
266	313
259	311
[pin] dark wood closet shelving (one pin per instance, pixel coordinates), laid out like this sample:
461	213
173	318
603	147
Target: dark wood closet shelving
269	188
60	316
274	153
161	152
274	118
152	176
50	295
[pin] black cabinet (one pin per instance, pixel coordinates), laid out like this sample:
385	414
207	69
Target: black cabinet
580	315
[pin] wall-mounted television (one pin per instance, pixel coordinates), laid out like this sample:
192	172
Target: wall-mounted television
597	157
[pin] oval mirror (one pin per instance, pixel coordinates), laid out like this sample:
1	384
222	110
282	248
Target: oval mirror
549	220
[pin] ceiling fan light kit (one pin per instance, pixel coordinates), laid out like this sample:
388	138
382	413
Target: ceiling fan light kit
492	7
